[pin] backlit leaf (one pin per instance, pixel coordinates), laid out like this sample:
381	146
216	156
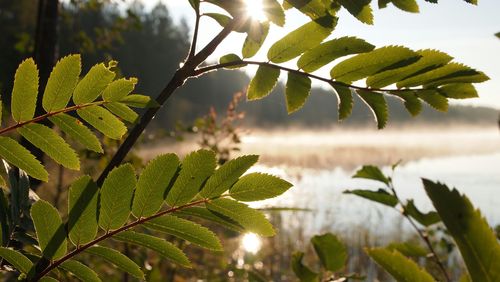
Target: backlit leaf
331	251
20	157
118	259
139	101
425	219
18	260
263	82
449	73
226	175
160	246
371	172
377	104
298	88
153	183
459	91
411	101
331	50
274	12
74	128
195	170
258	186
408	249
370	63
118	89
406	5
230	58
92	84
314	9
304	273
82	207
61	83
252	220
221	19
344	96
80	270
293	44
360	9
475	239
51	144
434	99
116	197
400	267
380	196
24	91
123	111
186	230
205	214
49	230
254	41
104	121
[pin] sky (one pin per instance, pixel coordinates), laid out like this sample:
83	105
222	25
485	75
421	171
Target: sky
464	31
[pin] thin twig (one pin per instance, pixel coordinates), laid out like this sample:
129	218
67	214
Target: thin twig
47	115
192	51
421	233
110	234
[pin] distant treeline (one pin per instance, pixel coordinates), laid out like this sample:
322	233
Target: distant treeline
150	46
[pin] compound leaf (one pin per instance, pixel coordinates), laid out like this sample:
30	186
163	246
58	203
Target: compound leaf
118	89
426	219
274	12
18	260
74	128
80	270
360	9
380	196
61	83
104	121
256	37
344	96
123	111
377	104
205	214
298	88
93	84
258	186
459	91
263	82
24	91
118	259
139	101
49	230
82	207
20	157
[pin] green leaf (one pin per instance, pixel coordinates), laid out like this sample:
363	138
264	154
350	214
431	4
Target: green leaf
119	89
186	230
225	176
74	128
263	82
360	9
51	144
18	260
48	279
406	5
411	101
331	251
229	58
431	59
256	37
377	104
298	88
123	111
304	273
104	121
293	44
24	91
80	270
449	73
344	96
475	239
252	220
400	267
82	207
274	12
408	249
61	83
204	213
371	172
20	157
434	99
370	63
49	230
93	84
221	19
195	170
425	219
139	101
258	186
116	197
380	196
118	259
459	91
312	8
153	183
160	246
325	53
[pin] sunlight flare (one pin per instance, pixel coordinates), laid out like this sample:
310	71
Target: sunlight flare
251	243
255	9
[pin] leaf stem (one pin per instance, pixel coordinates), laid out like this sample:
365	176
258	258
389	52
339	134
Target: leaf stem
47	115
210	68
421	233
110	234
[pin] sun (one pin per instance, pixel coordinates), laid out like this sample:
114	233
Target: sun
251	243
255	9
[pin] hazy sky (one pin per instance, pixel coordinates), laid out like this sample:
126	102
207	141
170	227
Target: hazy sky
464	31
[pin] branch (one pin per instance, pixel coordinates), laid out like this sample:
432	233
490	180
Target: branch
180	76
47	115
110	234
210	68
421	234
192	51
